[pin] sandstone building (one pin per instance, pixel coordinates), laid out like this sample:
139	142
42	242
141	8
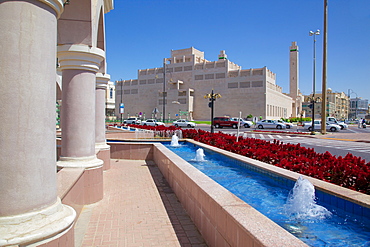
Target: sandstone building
189	76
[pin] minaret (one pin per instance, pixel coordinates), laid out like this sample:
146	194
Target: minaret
222	55
293	85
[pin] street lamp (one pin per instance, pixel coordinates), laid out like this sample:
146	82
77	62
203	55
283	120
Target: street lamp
178	103
311	33
212	97
121	106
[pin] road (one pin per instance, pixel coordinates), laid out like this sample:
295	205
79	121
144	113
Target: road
337	143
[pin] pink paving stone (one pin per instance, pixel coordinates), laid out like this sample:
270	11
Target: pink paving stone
138	209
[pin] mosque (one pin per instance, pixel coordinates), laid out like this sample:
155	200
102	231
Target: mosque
188	77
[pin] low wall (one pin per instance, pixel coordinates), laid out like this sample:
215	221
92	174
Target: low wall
221	217
114	133
70	182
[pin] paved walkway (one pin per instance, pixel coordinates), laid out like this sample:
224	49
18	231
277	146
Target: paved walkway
138	209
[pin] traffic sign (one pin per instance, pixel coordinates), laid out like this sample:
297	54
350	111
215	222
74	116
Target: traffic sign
121	108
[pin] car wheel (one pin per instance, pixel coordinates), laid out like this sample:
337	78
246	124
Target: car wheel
176	125
234	126
260	126
217	125
246	126
279	127
310	128
189	126
341	127
288	126
332	129
144	124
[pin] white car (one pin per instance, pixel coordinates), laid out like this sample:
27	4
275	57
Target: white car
151	122
183	123
272	124
342	125
333	120
132	120
245	123
287	125
329	126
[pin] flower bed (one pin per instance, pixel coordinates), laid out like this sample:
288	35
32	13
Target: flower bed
349	171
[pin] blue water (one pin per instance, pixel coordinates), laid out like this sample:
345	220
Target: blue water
268	194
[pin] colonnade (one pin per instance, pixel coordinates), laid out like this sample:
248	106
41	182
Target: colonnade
31	213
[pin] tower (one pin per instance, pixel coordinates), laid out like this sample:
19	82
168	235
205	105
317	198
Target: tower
293	80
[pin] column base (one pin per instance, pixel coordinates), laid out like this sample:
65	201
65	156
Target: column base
79	162
92	176
38	227
103	153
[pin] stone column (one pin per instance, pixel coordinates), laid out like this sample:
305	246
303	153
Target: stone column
30	210
79	64
103	150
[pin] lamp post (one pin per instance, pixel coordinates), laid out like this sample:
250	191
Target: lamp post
311	33
324	70
121	109
178	103
212	98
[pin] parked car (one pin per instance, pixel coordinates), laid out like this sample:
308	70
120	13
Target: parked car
270	124
151	122
132	120
243	122
287	125
333	120
220	122
329	126
183	123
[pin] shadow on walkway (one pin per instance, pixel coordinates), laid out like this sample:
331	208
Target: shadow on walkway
186	231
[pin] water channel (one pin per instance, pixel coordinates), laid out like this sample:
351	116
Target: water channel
310	218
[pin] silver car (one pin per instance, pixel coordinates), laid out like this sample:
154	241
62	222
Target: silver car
329	126
245	123
183	123
270	124
287	125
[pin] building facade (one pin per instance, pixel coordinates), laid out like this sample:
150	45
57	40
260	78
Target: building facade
179	90
337	105
110	99
358	108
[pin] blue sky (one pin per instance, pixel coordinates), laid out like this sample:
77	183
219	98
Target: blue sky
254	34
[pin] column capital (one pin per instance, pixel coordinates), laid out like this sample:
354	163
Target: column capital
56	5
102	80
80	56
